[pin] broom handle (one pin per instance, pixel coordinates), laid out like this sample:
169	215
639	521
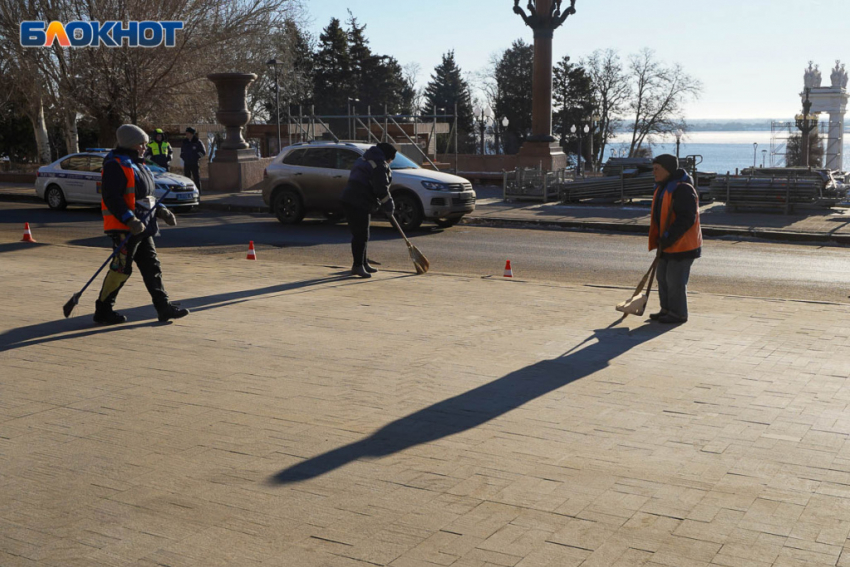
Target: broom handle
123	242
401	232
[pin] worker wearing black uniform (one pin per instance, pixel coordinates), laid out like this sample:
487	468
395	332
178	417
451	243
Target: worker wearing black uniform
127	196
367	192
191	152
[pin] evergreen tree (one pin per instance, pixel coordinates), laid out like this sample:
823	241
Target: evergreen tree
573	104
794	150
447	88
513	78
332	78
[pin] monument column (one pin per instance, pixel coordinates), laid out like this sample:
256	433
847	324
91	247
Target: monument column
544	17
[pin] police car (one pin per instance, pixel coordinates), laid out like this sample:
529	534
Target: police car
75	179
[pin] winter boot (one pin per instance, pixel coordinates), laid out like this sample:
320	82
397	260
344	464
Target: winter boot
170	311
368	267
360	271
105	315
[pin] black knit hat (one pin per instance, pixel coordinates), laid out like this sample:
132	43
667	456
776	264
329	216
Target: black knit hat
668	162
388	150
190	130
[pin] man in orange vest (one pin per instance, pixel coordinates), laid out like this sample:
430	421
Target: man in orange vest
675	229
127	194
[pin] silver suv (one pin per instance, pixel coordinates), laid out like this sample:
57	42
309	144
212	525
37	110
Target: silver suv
310	177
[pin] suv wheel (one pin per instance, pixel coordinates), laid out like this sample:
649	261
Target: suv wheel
55	198
408	212
288	207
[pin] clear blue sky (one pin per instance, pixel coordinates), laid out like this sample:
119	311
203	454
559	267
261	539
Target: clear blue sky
749	54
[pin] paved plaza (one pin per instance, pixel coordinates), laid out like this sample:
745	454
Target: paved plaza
301	418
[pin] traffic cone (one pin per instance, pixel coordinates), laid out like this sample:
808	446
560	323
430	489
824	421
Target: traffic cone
27	234
509	273
252	254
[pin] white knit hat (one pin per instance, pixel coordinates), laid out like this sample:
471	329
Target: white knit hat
130	136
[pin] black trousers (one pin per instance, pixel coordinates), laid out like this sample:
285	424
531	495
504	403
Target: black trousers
193	172
142	252
358	224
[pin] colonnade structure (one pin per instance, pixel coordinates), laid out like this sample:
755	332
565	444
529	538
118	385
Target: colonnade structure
833	101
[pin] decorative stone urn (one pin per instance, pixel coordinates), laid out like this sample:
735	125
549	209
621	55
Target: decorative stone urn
233	113
235	166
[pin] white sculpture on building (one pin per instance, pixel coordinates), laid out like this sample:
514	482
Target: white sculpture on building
812	77
839	76
831	100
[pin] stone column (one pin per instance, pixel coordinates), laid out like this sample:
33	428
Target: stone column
541	109
541	149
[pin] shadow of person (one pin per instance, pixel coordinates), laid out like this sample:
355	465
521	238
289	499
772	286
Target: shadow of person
81	326
482	404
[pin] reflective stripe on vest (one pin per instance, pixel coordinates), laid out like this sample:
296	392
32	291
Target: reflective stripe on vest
691	240
110	222
158	148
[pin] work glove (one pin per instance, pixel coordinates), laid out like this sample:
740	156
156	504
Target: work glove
136	226
665	241
388	207
167	216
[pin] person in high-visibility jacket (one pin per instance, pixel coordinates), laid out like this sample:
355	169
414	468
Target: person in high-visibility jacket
675	229
159	150
127	197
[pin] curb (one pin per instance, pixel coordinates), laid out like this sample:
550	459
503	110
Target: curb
707	230
583	226
230	208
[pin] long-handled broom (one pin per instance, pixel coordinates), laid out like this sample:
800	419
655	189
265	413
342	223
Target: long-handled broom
71	303
420	262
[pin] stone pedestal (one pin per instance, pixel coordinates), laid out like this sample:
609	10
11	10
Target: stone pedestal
235	166
548	154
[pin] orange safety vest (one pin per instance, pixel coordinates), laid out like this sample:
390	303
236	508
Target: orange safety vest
110	222
692	239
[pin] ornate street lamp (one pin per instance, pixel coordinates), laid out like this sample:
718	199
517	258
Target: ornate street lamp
806	122
755	148
505	123
274	64
763	157
544	17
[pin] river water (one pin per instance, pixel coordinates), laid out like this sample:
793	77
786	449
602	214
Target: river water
724	151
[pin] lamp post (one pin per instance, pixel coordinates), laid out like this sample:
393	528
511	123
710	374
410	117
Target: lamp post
573	130
763	157
593	120
806	122
350	120
505	123
755	147
274	64
484	114
679	133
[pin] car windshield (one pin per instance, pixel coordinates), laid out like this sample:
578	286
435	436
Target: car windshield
401	161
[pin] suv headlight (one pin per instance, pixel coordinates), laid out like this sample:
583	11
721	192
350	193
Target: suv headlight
434	186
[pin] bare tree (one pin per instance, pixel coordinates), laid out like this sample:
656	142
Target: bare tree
153	85
611	90
658	94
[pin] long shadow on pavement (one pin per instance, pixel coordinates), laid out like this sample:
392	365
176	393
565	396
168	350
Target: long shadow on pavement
82	326
480	405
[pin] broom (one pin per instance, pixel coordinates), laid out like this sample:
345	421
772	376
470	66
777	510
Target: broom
420	262
75	299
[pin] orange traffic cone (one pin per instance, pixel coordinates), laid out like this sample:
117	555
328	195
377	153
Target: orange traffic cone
27	234
252	254
509	273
